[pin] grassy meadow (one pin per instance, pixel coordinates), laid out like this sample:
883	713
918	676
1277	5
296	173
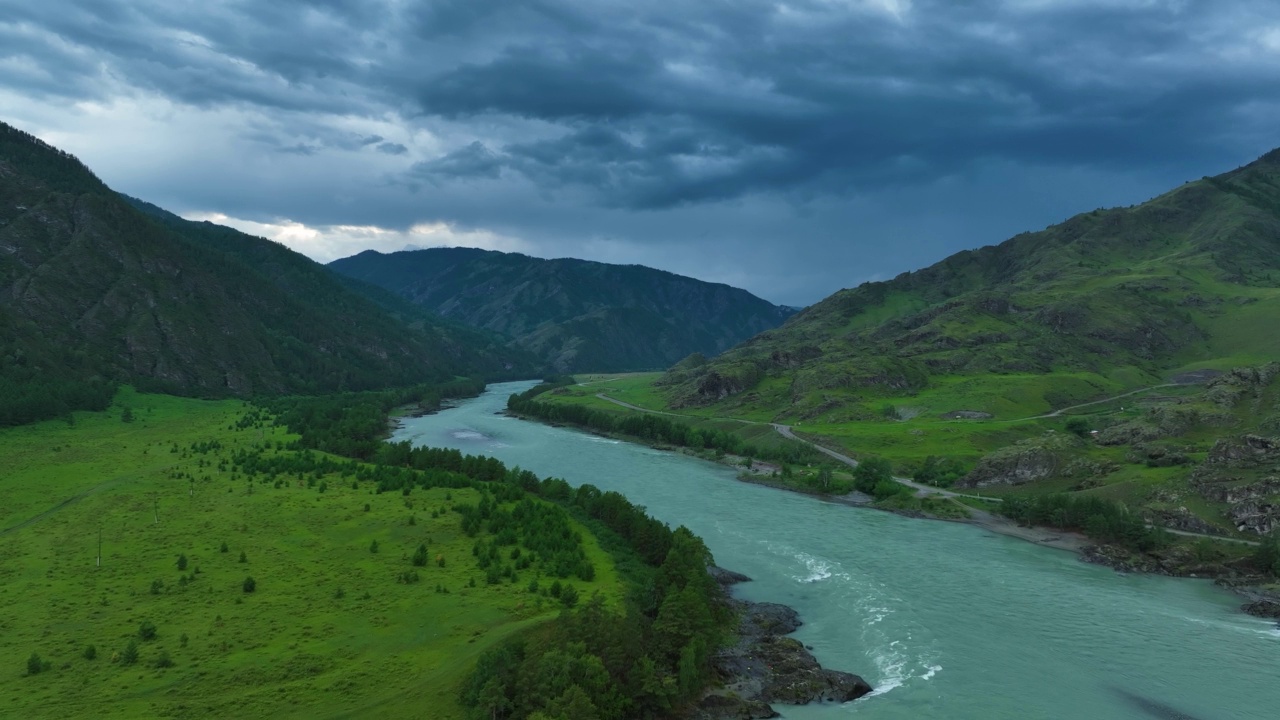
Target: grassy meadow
328	630
910	430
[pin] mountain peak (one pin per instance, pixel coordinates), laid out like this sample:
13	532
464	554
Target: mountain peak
45	164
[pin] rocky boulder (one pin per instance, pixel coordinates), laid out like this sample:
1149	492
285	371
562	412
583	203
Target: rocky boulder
1255	516
763	666
1025	462
1268	608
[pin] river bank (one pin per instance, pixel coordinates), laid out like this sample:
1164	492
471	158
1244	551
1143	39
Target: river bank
1043	536
764	666
911	606
1260	600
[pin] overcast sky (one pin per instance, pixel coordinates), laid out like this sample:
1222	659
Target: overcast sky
791	148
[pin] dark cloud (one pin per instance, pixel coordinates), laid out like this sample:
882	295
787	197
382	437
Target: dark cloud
651	131
471	162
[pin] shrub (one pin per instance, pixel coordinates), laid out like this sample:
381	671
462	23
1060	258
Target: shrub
889	488
939	471
243	557
157	586
147	630
373	547
420	556
163	661
871	472
569	596
250	585
1267	556
90	652
183	640
1078	426
182	562
129	655
223	548
35	665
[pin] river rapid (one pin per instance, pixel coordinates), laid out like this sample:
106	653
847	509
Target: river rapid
944	620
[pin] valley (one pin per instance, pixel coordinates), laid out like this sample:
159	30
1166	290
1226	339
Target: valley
231	482
192	498
943	619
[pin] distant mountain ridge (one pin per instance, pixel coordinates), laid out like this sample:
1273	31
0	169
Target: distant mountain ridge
1129	295
92	292
577	315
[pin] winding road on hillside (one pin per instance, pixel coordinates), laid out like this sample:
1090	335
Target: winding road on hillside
1059	411
981	517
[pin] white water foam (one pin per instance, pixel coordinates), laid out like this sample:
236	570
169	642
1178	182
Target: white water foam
895	657
813	569
606	441
1249	626
468	435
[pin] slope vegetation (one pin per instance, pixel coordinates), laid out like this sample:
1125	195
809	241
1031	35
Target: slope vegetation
1108	300
94	292
574	314
128	546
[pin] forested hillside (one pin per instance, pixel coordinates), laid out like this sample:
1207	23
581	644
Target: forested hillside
94	292
576	315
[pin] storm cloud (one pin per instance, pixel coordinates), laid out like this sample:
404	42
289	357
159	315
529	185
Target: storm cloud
791	148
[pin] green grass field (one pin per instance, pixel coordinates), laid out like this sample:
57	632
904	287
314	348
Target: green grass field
916	429
328	631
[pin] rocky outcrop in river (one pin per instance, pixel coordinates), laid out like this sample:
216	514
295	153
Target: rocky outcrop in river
764	666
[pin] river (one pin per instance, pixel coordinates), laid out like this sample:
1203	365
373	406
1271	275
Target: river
944	620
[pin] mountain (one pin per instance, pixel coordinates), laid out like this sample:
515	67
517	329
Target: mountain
1106	301
94	291
477	351
575	314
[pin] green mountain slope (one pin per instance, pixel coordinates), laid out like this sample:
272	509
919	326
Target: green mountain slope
477	351
576	315
94	292
1108	300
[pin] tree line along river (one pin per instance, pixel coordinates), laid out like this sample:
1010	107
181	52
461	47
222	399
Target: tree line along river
945	620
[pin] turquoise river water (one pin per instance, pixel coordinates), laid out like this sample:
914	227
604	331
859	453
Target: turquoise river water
944	620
